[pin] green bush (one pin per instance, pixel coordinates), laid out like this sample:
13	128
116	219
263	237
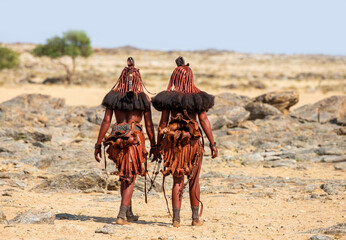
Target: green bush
8	58
73	44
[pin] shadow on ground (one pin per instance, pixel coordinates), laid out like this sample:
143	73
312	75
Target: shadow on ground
108	220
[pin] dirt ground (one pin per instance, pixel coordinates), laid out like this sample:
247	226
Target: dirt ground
228	215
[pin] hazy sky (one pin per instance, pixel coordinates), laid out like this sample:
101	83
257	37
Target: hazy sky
257	26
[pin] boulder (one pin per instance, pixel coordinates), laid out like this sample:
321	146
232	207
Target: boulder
95	114
235	115
281	100
330	109
260	110
231	117
84	180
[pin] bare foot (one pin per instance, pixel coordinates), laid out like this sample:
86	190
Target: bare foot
132	218
197	222
121	221
176	224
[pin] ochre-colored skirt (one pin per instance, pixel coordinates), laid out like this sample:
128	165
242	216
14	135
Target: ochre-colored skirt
181	147
127	150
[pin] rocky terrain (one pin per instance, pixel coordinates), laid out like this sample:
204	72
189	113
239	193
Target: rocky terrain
279	123
280	173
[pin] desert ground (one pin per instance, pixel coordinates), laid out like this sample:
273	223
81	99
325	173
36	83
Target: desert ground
280	173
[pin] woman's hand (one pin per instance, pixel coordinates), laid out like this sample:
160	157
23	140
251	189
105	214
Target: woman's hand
98	154
155	153
213	151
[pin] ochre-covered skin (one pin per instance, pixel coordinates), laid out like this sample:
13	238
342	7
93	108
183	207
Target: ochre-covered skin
180	138
129	104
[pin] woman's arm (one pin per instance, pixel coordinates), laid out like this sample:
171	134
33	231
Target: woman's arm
106	122
154	150
163	123
149	126
203	119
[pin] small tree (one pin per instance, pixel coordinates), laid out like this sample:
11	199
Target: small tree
72	44
8	58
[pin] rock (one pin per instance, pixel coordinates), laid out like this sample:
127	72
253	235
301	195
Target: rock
329	158
95	114
252	163
83	180
227	142
237	131
211	175
326	110
340	166
341	131
33	135
248	125
111	229
286	163
256	84
235	115
251	84
260	110
219	123
320	237
113	186
3	219
330	151
338	229
34	101
280	100
34	216
253	159
329	188
54	80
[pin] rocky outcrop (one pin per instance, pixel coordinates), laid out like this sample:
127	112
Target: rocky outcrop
332	109
280	100
260	110
92	180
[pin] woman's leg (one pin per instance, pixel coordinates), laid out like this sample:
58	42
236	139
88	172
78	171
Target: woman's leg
126	190
177	197
177	191
195	192
195	195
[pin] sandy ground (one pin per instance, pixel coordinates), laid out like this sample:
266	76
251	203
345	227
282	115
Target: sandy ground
92	96
228	215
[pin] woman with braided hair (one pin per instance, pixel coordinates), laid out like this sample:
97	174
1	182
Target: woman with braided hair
180	138
126	142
